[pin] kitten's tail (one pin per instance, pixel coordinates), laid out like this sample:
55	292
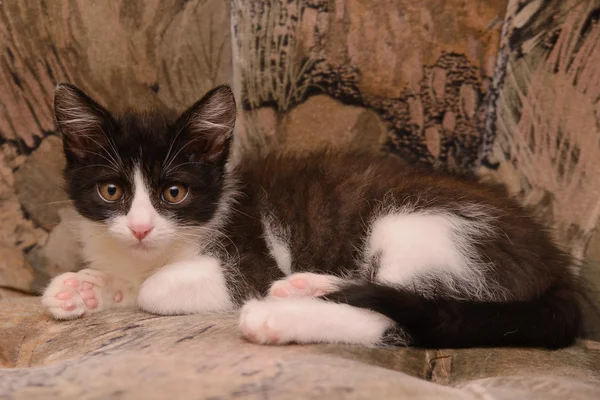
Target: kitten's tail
553	320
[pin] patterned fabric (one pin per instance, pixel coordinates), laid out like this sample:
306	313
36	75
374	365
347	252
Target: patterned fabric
114	355
507	89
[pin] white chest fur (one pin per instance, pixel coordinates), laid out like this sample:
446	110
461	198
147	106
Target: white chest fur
104	253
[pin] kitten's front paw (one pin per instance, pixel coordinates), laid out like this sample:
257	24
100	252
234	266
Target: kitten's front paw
74	294
305	284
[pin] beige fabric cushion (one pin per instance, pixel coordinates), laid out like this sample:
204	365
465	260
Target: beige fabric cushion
132	354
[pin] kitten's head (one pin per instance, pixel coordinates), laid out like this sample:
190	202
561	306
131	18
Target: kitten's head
147	181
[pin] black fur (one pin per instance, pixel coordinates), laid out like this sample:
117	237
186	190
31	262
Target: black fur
552	320
328	199
144	140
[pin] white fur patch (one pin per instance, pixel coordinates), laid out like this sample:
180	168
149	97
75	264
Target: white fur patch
277	242
186	287
142	211
112	248
417	247
310	320
106	252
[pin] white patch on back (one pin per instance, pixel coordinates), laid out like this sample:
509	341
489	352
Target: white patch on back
311	320
278	244
186	287
417	249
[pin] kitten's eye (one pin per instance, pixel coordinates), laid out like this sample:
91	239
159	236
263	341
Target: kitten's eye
174	194
110	191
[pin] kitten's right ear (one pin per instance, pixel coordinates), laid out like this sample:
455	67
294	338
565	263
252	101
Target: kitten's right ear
81	121
209	124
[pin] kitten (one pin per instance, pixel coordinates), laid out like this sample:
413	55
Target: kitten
328	247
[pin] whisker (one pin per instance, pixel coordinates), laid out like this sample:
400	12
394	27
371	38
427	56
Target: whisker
212	241
112	160
179	151
113	166
185	163
56	202
94	165
171	147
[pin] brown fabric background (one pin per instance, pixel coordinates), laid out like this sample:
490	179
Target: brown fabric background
509	89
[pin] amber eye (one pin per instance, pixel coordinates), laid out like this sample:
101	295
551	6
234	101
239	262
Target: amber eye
174	194
110	191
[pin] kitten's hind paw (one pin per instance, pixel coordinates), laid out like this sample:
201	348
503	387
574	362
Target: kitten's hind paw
74	294
260	324
305	284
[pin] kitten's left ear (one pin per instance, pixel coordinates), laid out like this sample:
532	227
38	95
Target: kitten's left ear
209	124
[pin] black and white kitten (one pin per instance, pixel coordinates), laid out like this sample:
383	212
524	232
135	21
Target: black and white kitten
327	247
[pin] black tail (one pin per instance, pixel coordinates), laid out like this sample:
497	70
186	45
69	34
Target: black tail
553	320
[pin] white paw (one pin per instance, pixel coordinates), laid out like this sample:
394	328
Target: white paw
265	322
305	284
188	287
310	320
74	294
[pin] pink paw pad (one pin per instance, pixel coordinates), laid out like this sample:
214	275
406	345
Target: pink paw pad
273	338
68	305
88	294
304	284
64	295
281	292
118	296
91	303
72	282
299	283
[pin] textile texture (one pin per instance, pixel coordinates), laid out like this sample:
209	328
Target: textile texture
508	89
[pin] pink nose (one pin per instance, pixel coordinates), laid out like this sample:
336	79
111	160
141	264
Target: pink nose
140	231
